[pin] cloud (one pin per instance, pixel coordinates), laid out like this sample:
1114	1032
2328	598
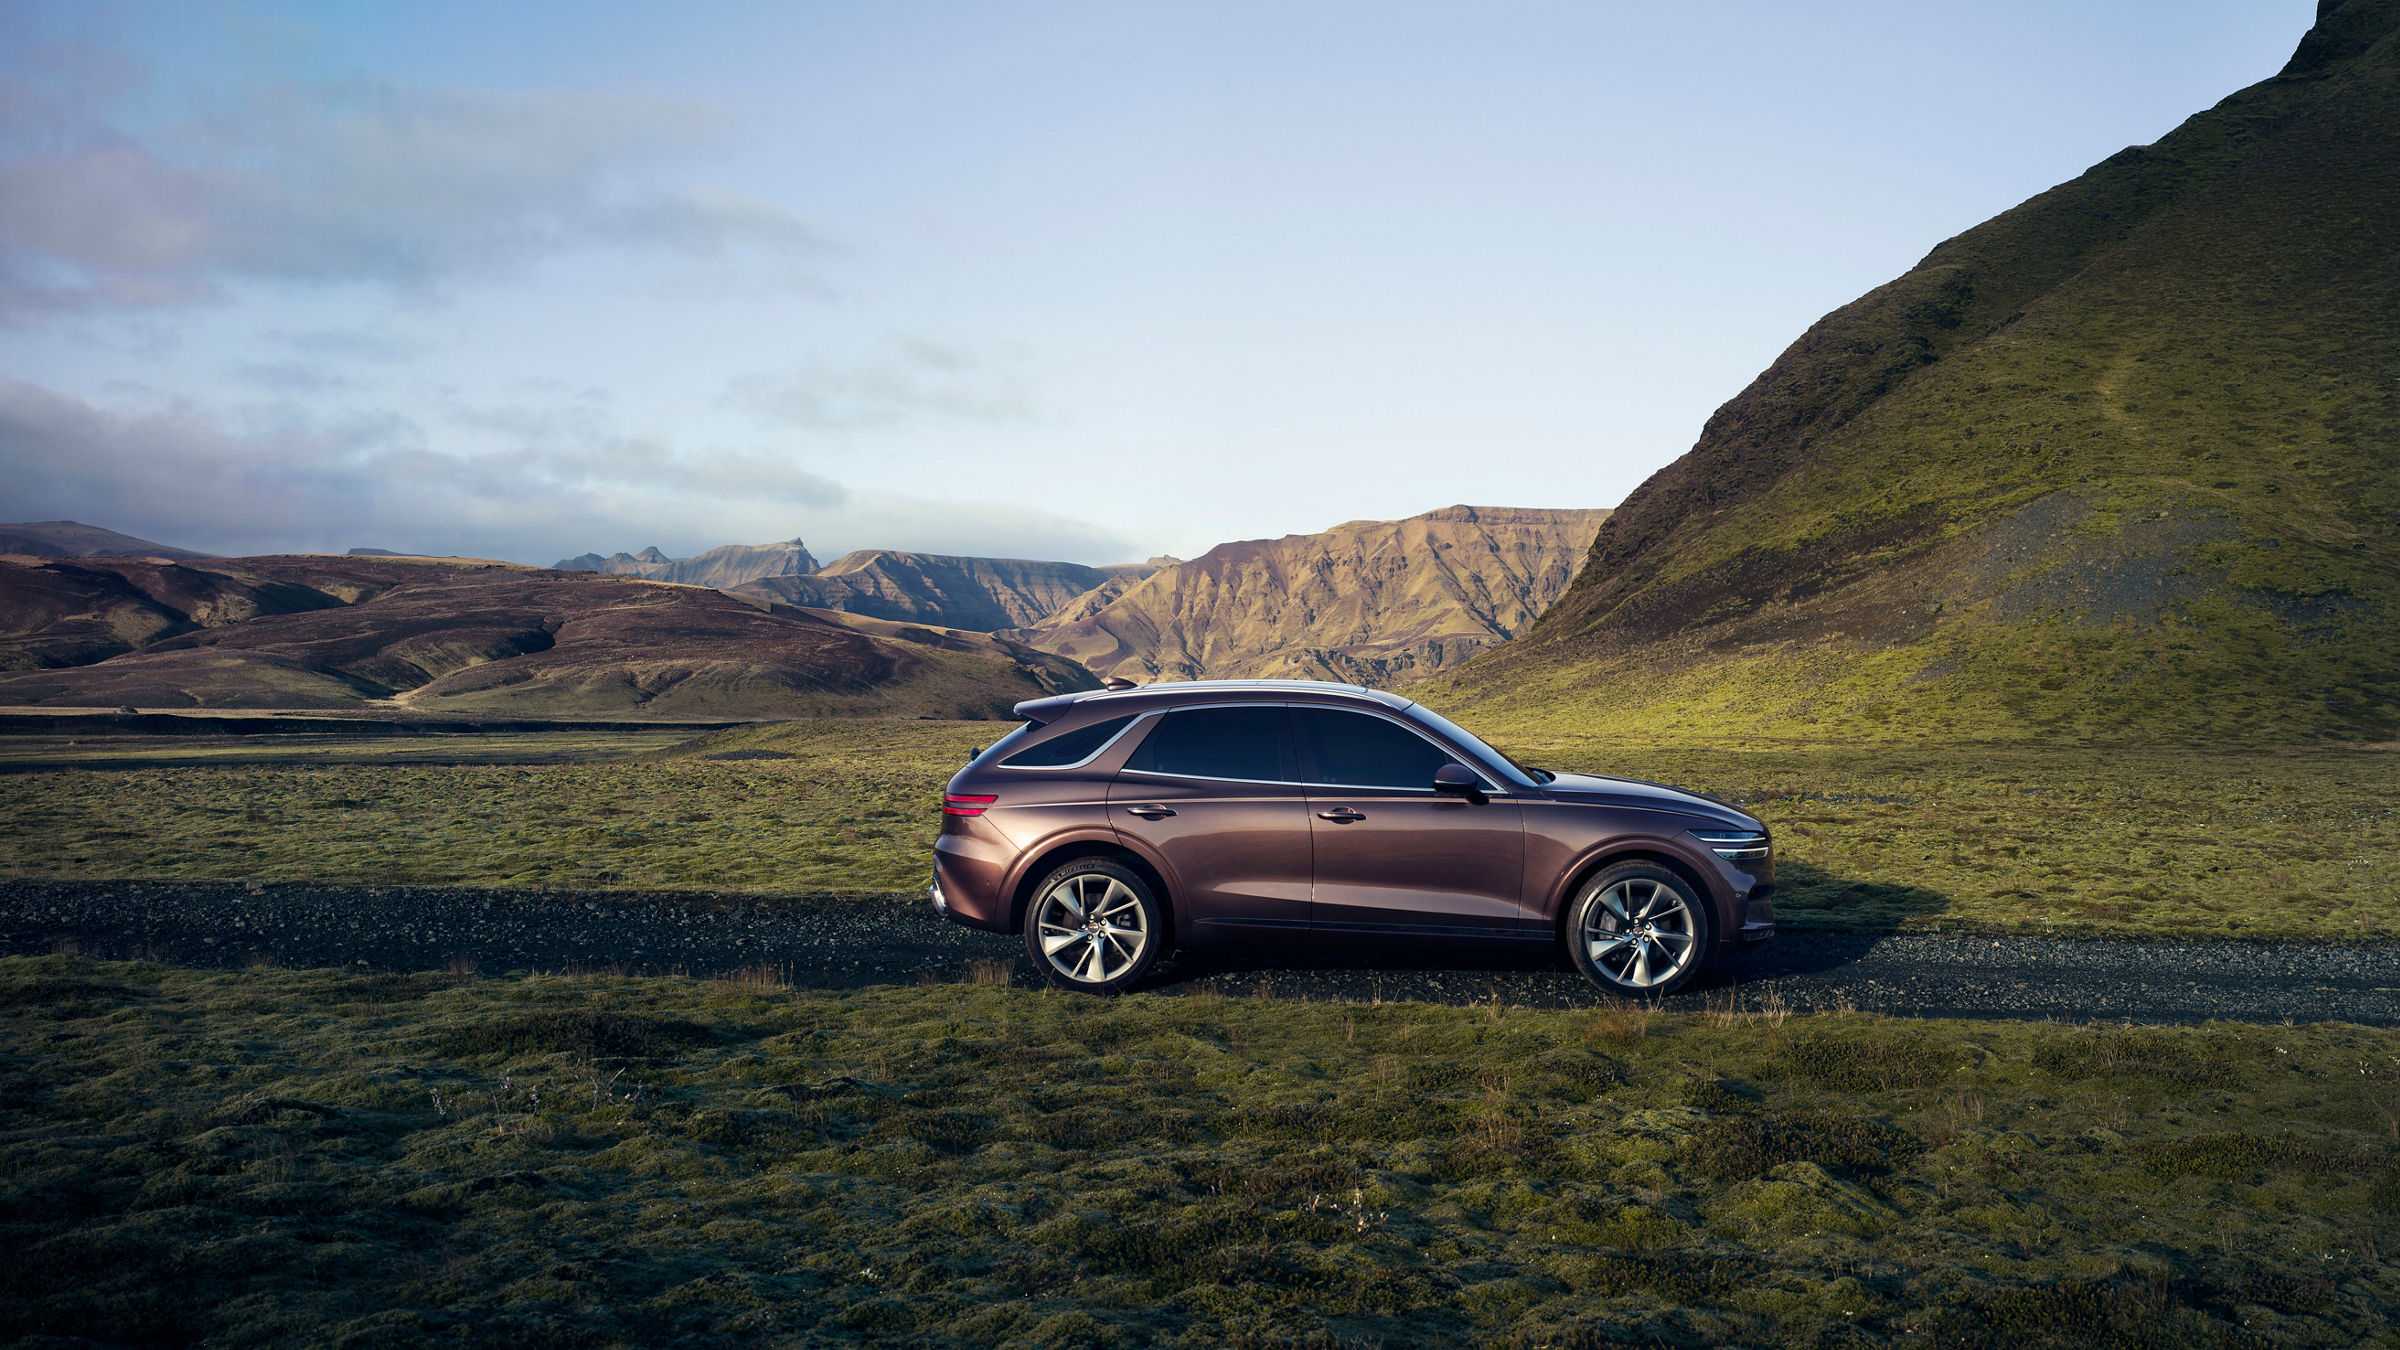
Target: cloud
291	377
272	481
912	379
353	344
353	182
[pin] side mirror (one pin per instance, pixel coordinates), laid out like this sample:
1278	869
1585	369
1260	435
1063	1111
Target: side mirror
1459	781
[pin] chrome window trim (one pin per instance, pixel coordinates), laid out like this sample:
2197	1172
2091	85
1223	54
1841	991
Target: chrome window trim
1482	772
1081	763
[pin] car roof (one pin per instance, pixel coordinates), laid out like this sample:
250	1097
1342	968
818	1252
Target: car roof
1169	693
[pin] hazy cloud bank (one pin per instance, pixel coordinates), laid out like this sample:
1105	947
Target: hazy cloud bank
273	480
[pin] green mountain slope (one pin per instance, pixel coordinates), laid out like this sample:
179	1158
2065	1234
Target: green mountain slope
2121	462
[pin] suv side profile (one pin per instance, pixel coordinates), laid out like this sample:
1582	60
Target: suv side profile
1117	824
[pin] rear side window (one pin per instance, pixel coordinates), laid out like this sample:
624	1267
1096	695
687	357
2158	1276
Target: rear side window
1245	743
1074	747
1350	749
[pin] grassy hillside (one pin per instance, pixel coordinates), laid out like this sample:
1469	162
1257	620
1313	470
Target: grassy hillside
273	1157
2121	462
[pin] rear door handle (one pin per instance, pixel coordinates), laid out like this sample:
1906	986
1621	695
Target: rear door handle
1151	812
1341	815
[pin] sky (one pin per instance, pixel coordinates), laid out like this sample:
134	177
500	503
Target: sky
1090	281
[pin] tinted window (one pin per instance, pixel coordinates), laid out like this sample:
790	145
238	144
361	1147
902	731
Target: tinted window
1217	743
1015	737
1355	750
1074	747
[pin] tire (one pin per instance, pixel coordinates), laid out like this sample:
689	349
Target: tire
1070	944
1630	925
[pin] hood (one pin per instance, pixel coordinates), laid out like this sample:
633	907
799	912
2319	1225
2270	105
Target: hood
1633	792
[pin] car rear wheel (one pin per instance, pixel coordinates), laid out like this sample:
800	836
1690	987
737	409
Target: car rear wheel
1639	931
1093	926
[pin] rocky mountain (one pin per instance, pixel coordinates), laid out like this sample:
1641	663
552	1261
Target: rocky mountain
448	636
70	539
726	567
1376	602
2123	461
972	593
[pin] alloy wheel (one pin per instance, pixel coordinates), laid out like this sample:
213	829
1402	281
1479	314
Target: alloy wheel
1092	928
1641	933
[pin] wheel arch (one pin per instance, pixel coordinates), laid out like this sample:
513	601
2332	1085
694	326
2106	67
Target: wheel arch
1659	857
1059	855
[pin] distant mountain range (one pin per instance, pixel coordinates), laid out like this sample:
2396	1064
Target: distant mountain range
464	637
739	632
1375	602
68	539
2122	462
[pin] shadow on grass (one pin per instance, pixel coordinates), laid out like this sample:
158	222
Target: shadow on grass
1826	922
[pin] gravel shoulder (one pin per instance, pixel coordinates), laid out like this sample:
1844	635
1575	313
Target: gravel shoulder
858	941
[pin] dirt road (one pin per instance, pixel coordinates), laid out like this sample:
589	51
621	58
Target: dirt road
848	942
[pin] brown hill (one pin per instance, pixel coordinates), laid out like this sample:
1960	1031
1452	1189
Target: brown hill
974	593
724	567
485	638
70	539
2117	462
1375	602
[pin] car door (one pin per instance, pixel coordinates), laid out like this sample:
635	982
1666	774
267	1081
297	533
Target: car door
1213	792
1392	855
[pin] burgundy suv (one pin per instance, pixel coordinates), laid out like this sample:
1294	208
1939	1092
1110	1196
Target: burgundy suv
1114	824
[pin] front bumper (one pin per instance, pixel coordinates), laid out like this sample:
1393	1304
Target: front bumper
1758	916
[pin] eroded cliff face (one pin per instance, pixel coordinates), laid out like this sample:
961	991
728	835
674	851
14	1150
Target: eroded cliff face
956	592
1373	602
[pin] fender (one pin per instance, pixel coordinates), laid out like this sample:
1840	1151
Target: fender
1021	874
1709	869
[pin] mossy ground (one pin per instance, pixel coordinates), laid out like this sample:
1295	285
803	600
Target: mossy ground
313	1157
2247	842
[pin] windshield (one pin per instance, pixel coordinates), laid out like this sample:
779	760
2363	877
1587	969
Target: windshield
1525	777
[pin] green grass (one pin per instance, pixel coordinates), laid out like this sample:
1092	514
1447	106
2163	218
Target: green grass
840	806
2296	843
273	1157
2301	843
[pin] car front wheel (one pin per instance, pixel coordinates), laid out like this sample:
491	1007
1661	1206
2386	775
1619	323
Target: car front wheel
1639	930
1093	926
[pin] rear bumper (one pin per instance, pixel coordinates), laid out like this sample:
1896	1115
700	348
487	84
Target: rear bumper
968	886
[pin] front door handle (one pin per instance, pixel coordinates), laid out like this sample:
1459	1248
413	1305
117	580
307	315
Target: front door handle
1341	815
1151	812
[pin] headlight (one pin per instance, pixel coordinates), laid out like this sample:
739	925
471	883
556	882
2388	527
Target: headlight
1734	845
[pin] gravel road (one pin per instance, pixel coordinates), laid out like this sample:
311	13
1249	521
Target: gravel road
853	942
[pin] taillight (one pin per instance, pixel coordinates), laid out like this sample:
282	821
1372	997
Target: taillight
956	804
